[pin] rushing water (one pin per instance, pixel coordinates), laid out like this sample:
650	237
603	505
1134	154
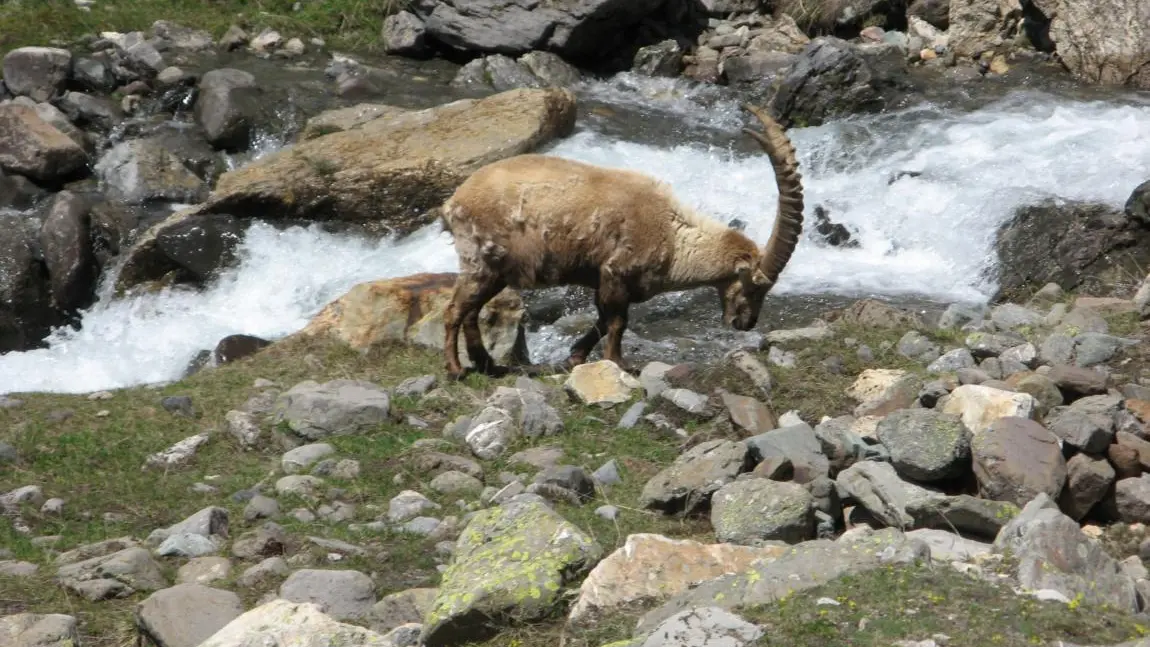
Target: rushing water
923	235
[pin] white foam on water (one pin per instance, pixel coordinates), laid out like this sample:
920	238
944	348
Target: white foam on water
283	278
929	235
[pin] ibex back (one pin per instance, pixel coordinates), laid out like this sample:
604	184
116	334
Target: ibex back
534	221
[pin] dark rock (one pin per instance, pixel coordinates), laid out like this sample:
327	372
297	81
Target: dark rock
584	31
935	12
1138	204
1073	244
90	111
201	245
756	66
569	477
1088	479
926	445
18	192
551	69
65	243
496	72
831	233
178	404
1075	382
229	107
234	347
26	312
92	74
834	78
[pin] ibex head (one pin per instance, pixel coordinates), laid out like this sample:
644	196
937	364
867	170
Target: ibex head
753	277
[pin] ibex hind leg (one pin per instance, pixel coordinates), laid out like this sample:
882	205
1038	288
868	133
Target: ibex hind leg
472	292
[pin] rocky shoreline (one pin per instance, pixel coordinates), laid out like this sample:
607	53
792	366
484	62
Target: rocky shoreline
1006	446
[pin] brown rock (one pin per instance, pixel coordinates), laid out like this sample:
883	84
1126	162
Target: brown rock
34	148
1087	481
1140	446
1076	382
749	414
392	172
876	314
651	568
410	309
1016	459
1124	459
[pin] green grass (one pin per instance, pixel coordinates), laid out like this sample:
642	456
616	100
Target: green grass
93	460
353	25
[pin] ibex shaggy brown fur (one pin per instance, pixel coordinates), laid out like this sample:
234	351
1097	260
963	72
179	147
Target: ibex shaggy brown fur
534	221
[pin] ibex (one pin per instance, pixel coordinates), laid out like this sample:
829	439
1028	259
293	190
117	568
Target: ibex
534	221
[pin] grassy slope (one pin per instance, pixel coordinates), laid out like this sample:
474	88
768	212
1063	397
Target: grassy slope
93	459
352	25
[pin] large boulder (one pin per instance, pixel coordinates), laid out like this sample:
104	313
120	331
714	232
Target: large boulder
588	30
143	170
410	309
1106	41
1069	243
32	147
66	246
228	107
510	565
834	78
390	172
37	72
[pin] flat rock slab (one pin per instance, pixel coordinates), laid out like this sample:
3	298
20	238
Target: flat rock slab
186	614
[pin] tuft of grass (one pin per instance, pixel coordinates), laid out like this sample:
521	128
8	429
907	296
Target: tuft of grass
913	603
353	25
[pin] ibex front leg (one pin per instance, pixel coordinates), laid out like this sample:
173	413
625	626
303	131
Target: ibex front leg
472	292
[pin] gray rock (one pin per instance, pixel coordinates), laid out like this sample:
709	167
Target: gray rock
228	107
510	561
584	31
703	627
926	445
301	485
204	570
952	361
797	443
842	446
1091	433
687	400
116	575
408	505
832	77
1056	349
915	345
1009	316
490	433
404	34
265	574
186	614
1053	553
301	458
261	507
244	427
343	595
664	58
755	510
452	482
415	386
207	522
186	544
339	407
694	476
948	547
400	608
40	630
15	569
631	416
958	315
1132	499
281	622
144	170
570	477
37	72
1091	348
551	69
607	474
